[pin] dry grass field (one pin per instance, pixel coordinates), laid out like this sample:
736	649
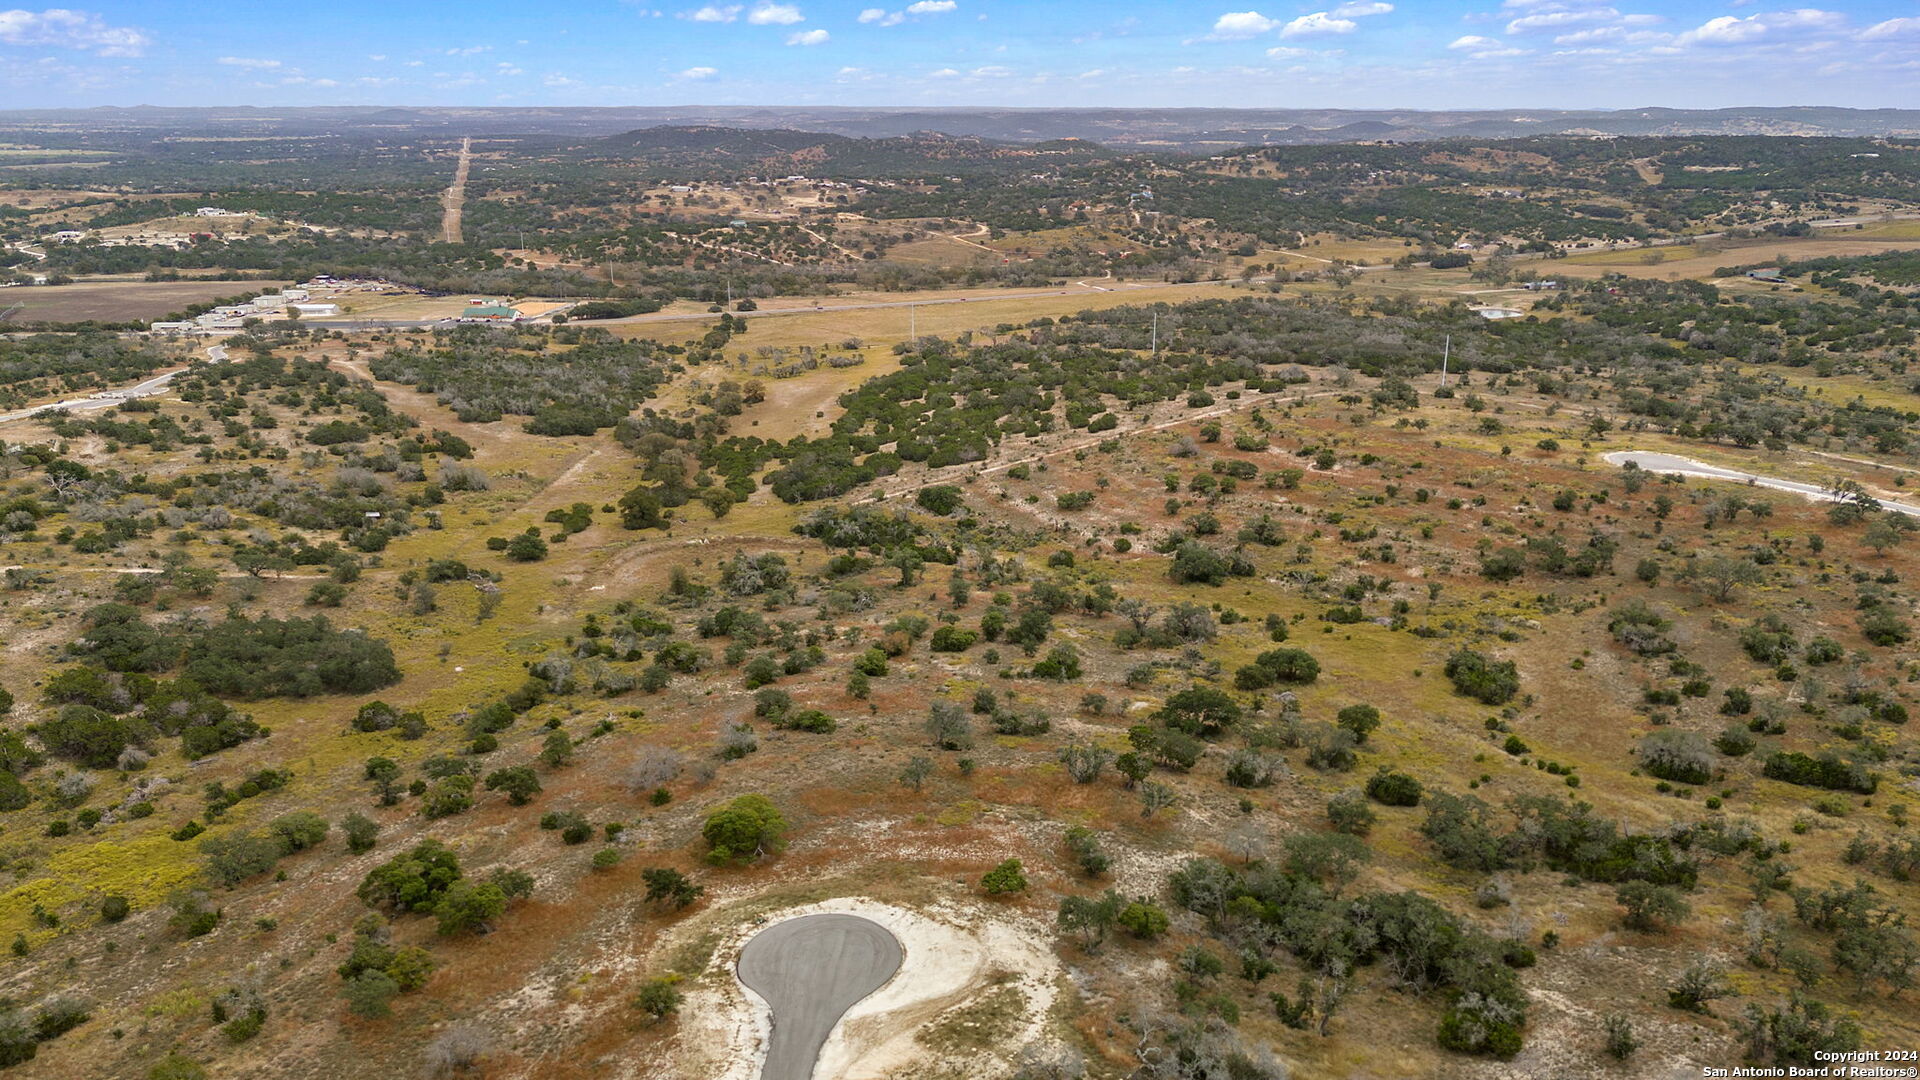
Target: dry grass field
118	301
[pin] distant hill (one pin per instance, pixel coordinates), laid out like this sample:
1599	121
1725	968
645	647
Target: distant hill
1186	130
780	150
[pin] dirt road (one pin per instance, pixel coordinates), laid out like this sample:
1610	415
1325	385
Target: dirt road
456	197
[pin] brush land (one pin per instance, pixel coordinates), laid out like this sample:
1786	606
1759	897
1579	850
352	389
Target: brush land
1077	559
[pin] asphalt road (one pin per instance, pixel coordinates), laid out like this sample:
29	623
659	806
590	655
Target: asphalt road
1685	466
810	971
147	387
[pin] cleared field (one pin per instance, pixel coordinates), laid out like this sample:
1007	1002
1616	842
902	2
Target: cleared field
1891	230
367	305
42	198
941	251
1701	266
844	316
117	301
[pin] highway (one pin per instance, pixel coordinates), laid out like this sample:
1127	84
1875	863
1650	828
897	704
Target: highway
810	971
1685	466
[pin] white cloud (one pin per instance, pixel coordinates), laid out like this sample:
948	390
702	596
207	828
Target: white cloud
559	81
714	13
1243	24
943	73
471	50
416	63
1484	48
65	29
699	74
376	57
1619	34
1318	23
993	71
1288	52
776	15
1803	19
1728	30
883	17
1724	30
1549	20
1360	9
247	62
809	37
1892	28
508	68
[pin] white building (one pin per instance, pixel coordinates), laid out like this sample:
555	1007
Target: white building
316	309
171	328
294	294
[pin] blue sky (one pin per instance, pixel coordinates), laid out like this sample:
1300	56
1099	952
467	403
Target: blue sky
1352	54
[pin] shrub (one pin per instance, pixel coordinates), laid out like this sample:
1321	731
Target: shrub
1802	1033
659	998
448	796
743	830
414	881
1650	907
1084	843
1349	813
520	783
469	907
1486	680
1394	789
1284	666
299	830
59	1015
951	638
1143	919
1008	877
1200	710
267	657
670	887
942	499
1680	756
1362	720
456	1050
370	995
1196	563
1826	771
1249	769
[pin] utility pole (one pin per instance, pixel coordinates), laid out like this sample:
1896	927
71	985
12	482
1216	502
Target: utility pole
1155	353
1445	351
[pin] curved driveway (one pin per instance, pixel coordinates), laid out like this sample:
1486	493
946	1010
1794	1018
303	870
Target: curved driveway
1685	466
810	971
